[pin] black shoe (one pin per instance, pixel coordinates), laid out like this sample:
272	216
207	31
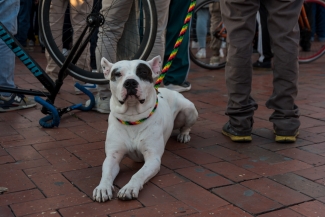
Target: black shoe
227	130
262	65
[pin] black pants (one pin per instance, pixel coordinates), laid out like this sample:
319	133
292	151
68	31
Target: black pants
265	48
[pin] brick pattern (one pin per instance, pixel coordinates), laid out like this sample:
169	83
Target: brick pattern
52	172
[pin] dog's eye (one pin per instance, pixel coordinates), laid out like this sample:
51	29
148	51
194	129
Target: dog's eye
117	74
143	72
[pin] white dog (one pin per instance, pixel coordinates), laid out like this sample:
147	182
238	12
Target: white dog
134	99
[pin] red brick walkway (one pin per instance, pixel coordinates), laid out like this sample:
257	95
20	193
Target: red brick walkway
52	172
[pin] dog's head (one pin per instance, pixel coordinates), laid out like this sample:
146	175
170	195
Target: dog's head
131	80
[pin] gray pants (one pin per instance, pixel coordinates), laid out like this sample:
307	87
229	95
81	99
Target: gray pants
239	16
109	39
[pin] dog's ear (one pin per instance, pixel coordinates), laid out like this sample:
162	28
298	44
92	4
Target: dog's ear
155	65
106	66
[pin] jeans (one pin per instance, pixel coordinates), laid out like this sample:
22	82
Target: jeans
8	16
202	21
24	21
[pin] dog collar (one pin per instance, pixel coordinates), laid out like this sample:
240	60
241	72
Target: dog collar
142	120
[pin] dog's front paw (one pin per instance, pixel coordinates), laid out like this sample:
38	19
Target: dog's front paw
103	193
183	137
129	191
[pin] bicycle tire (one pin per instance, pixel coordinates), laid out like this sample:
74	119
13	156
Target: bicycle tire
317	47
205	62
149	28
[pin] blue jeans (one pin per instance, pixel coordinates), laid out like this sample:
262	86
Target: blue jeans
8	16
202	20
24	21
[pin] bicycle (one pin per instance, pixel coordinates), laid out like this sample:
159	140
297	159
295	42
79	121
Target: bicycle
219	34
142	22
68	64
311	48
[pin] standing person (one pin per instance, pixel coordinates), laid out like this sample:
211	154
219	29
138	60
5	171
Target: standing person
264	41
240	20
10	101
176	77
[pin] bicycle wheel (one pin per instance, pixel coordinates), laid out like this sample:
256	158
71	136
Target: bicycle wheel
312	41
205	30
134	41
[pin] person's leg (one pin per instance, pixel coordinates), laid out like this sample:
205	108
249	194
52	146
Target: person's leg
179	69
264	41
202	26
116	15
67	33
56	22
320	23
10	101
24	21
284	31
162	7
8	15
239	18
78	21
202	31
215	20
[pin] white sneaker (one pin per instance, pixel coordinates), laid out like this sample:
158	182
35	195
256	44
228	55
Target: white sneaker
186	86
201	53
65	52
91	87
101	104
195	44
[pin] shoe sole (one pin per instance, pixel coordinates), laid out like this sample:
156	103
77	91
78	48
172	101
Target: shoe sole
17	108
237	138
286	139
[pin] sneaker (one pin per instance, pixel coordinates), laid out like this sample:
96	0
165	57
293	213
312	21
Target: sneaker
15	102
214	60
227	130
31	43
286	139
91	87
101	104
186	86
262	65
195	45
65	52
201	53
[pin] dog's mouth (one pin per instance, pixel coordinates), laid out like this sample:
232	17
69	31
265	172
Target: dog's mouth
131	95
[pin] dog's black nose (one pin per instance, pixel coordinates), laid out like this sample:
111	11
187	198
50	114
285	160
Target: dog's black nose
130	84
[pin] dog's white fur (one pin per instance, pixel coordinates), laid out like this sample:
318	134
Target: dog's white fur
146	141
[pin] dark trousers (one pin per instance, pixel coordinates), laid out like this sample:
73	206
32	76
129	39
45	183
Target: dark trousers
266	51
179	69
284	32
23	21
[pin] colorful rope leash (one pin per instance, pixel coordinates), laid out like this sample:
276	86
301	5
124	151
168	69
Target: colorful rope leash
169	62
142	120
177	44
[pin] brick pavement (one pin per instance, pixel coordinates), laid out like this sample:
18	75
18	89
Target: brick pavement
52	172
